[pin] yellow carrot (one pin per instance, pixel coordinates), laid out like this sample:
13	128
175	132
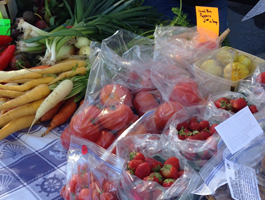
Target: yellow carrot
27	109
36	93
16	125
28	85
21	81
30	75
68	74
10	93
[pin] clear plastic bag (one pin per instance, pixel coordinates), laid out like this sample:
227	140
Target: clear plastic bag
117	74
175	84
253	100
182	44
92	172
213	173
154	146
197	150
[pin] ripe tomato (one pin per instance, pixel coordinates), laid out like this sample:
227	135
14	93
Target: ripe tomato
105	139
146	82
84	194
83	180
107	196
144	101
65	138
115	93
95	194
164	112
84	124
72	184
115	117
82	169
186	93
109	186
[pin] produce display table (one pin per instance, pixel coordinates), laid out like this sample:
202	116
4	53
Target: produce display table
31	167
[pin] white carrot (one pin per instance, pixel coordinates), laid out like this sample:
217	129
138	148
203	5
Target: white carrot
57	95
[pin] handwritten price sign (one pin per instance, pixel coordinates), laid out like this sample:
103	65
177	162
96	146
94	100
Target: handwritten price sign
208	17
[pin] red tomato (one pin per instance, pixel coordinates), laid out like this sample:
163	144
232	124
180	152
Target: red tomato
65	193
84	194
95	186
116	117
146	81
109	186
95	194
115	93
83	180
84	124
82	169
105	139
107	196
164	112
65	138
72	184
144	101
186	93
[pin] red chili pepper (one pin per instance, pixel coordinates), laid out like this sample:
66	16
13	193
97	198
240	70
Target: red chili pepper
6	55
5	39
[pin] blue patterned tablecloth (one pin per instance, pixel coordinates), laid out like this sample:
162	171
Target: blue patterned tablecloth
32	167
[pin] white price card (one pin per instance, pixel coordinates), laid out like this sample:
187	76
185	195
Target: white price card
242	181
238	130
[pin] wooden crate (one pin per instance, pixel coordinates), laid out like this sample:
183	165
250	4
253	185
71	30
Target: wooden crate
8	9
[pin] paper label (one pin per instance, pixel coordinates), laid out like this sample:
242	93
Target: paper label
256	10
238	130
5	26
208	17
242	181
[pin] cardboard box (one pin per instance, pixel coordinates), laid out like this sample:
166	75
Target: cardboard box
8	9
212	84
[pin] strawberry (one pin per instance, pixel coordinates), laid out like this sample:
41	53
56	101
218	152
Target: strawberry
189	155
205	134
133	164
172	161
181	173
223	103
182	125
155	176
168	171
205	155
195	126
261	78
204	124
238	104
184	133
253	109
196	136
142	170
168	182
212	129
136	156
193	119
154	164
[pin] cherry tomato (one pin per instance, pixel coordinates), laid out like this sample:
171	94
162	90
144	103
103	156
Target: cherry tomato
72	184
144	101
164	112
95	194
115	117
82	169
83	180
84	194
186	93
115	93
105	139
109	186
107	196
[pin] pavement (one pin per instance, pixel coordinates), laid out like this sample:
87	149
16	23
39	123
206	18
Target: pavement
246	36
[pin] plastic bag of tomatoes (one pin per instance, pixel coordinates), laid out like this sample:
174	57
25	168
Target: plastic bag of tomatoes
179	44
120	71
92	172
176	84
154	170
192	131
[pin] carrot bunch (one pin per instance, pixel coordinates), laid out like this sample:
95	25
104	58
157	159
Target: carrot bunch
27	97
